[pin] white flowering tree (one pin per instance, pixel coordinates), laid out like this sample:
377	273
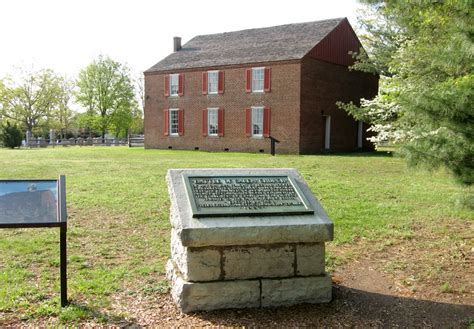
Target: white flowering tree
423	52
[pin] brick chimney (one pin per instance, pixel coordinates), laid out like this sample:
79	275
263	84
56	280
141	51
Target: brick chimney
176	44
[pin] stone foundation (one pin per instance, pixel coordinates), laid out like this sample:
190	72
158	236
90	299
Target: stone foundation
250	261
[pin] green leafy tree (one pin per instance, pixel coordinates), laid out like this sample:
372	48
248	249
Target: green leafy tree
106	90
423	51
30	98
11	136
62	116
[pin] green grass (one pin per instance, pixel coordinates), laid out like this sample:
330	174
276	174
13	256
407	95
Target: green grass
118	231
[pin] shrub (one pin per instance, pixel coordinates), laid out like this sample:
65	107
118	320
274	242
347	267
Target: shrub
11	136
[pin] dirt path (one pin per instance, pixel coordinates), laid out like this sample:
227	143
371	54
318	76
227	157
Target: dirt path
363	297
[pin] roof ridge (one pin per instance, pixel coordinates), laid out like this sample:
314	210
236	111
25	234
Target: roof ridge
267	44
269	27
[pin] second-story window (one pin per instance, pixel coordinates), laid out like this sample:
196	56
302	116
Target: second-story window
212	82
258	80
174	84
258	74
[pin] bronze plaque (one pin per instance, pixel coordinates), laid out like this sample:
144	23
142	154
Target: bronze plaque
245	196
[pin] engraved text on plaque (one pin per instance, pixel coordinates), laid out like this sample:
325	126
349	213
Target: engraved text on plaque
245	195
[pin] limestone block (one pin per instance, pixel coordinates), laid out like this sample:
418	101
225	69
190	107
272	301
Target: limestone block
170	271
197	296
257	262
296	290
310	259
195	264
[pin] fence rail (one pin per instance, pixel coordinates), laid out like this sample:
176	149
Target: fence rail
136	141
43	142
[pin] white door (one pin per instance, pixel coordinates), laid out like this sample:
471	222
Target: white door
327	132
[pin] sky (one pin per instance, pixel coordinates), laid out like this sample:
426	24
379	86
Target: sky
66	35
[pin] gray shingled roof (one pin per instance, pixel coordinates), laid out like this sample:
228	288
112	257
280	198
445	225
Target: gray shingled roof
276	43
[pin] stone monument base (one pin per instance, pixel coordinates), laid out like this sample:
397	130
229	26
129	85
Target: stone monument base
272	255
253	293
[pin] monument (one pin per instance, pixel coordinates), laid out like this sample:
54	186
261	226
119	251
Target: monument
246	238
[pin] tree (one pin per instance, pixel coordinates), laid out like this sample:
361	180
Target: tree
106	90
62	115
11	136
29	99
423	52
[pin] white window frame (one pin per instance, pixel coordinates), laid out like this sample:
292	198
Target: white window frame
209	90
171	111
172	78
254	80
215	115
256	116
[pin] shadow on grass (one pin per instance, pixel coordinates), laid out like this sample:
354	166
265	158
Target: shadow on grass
378	154
76	312
352	307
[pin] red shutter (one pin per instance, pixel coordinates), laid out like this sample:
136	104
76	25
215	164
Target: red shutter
220	122
180	122
220	83
204	122
267	79
204	83
248	80
166	119
248	122
181	84
167	85
266	122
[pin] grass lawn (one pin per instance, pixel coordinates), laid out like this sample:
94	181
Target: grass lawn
118	232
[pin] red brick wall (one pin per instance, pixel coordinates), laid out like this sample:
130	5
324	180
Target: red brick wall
283	100
322	85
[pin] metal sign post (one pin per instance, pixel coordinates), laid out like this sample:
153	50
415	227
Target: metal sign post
37	203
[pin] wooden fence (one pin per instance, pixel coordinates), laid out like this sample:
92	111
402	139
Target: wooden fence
42	142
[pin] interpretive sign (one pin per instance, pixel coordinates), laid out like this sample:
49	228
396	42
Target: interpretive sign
37	203
28	202
245	195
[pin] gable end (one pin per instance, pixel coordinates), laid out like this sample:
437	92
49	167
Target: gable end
335	46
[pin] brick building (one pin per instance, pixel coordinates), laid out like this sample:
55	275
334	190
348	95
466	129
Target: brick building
230	91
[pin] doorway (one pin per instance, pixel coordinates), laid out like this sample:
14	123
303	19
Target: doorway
327	132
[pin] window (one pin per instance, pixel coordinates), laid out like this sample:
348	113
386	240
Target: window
212	122
257	121
258	74
212	82
174	84
174	122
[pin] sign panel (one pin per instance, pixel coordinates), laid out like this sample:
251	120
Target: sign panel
37	203
245	196
26	202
